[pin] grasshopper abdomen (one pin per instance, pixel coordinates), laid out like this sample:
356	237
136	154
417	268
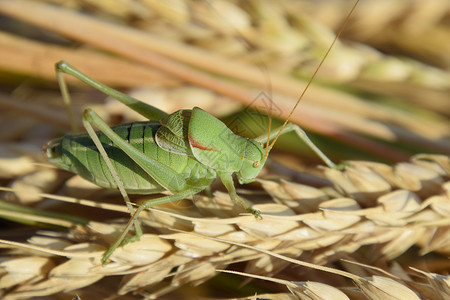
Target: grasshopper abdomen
78	154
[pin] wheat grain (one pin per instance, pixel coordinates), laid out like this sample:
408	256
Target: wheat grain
395	221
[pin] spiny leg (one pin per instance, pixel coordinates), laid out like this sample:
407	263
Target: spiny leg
146	110
118	181
227	181
147	204
149	165
304	137
61	67
67	101
160	172
121	240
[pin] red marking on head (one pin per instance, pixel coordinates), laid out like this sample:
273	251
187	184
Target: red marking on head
195	144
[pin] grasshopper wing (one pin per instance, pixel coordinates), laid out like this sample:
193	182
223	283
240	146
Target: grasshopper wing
213	143
172	136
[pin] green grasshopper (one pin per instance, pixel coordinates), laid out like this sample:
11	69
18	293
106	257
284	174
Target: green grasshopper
182	152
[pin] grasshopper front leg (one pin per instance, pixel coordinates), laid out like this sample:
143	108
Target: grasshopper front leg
304	137
227	181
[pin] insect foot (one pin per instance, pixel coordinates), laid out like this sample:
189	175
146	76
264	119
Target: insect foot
341	166
254	212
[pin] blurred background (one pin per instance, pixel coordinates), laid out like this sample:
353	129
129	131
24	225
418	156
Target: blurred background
383	93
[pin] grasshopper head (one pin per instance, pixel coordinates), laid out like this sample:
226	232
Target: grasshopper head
254	160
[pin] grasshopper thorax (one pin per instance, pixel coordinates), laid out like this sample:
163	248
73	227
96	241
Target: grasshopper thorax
253	161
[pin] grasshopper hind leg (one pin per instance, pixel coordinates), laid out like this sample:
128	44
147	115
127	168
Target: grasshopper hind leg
138	230
148	164
146	110
122	240
90	118
63	67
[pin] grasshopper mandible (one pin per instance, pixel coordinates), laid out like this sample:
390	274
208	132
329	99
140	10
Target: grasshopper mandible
177	152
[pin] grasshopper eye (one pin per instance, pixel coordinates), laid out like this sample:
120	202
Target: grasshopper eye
256	164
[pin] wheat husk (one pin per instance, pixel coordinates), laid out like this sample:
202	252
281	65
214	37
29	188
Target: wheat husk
394	222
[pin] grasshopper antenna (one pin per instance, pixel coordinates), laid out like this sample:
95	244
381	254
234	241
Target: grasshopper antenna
313	76
269	115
